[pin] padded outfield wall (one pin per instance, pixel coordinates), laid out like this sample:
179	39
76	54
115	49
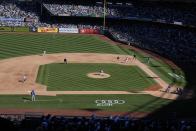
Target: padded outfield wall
14	29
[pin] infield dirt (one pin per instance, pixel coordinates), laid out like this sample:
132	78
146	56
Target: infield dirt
12	70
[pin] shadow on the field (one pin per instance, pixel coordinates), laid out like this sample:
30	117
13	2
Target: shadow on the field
152	77
92	109
25	98
157	66
177	108
181	108
147	104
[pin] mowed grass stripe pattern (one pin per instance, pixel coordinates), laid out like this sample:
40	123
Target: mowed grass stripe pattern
133	103
160	68
74	77
13	44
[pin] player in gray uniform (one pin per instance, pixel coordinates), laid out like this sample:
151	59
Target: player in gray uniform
33	95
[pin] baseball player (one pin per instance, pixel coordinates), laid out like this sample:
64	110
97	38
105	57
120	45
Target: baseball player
134	57
33	95
168	88
179	91
101	73
118	58
65	60
148	60
44	53
126	60
24	78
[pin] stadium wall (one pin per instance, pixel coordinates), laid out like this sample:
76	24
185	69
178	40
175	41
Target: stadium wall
5	29
50	30
14	29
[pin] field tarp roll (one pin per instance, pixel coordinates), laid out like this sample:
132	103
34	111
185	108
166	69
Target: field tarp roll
68	30
21	29
47	30
5	29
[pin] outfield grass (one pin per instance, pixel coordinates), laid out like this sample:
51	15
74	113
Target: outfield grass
60	76
13	44
133	103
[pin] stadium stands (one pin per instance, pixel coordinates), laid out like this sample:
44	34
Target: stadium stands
94	123
166	13
151	11
79	10
16	14
176	43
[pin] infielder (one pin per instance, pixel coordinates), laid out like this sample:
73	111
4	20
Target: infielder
24	78
44	53
134	57
65	60
127	59
118	58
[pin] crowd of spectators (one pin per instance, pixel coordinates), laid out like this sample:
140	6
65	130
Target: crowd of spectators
173	42
16	14
79	10
94	123
10	10
169	13
164	12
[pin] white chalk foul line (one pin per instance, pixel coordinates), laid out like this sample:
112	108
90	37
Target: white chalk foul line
59	100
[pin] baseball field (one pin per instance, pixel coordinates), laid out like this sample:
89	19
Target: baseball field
127	84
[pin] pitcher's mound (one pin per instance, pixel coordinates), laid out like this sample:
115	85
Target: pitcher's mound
98	75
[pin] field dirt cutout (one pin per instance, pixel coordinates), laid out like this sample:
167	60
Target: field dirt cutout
98	75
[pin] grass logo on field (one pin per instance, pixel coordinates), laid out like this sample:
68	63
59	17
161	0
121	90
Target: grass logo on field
109	102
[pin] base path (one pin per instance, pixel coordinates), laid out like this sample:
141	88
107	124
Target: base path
12	70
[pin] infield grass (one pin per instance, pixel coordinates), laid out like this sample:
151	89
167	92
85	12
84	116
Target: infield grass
73	76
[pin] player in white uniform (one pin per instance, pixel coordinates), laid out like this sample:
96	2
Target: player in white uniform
44	53
24	78
127	59
101	72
